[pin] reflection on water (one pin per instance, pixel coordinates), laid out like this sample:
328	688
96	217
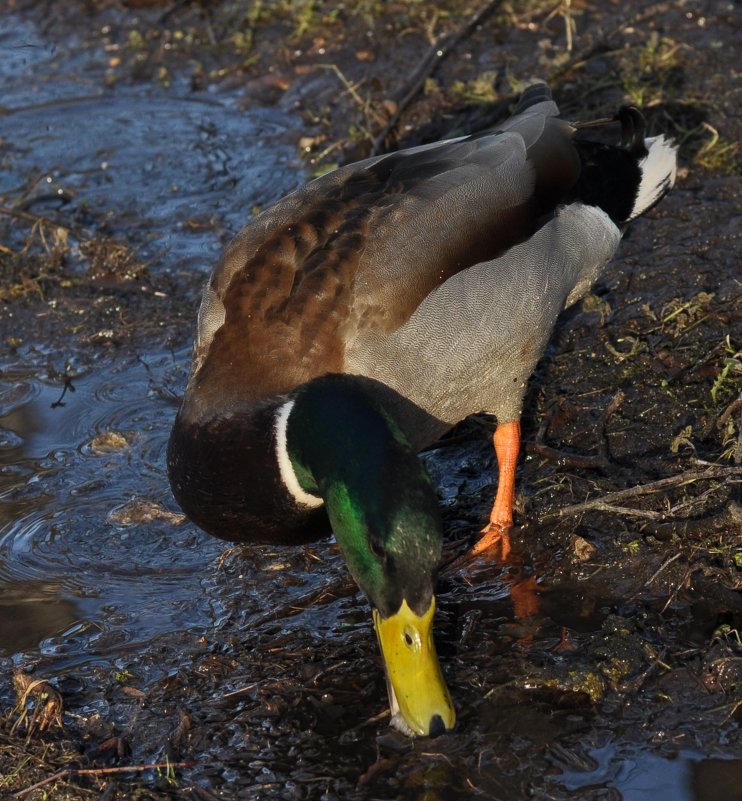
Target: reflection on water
155	161
717	780
642	776
30	611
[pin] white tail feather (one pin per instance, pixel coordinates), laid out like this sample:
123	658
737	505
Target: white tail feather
658	168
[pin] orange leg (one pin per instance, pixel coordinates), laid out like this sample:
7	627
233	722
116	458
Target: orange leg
507	448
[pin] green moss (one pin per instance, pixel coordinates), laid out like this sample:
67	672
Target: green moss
616	669
478	90
579	681
136	40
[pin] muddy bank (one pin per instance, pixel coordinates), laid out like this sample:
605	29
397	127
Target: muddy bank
603	661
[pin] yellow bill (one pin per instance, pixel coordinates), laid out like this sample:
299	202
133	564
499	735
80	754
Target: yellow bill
418	696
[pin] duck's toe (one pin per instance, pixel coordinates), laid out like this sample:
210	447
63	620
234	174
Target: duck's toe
494	543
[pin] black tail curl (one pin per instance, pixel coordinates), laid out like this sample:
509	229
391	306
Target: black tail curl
633	130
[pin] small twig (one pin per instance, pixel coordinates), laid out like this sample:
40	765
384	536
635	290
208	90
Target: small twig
674	594
733	407
569	23
38	218
634	684
733	711
71	773
600	462
372	117
607	501
374	719
564	10
696	501
664	565
234	696
436	53
601	506
365	106
304	602
728	519
613	406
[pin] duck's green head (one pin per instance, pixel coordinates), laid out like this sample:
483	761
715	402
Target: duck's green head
339	445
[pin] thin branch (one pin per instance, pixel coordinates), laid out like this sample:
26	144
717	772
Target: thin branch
38	218
437	52
733	407
606	502
598	47
662	567
674	594
71	773
599	505
352	89
613	406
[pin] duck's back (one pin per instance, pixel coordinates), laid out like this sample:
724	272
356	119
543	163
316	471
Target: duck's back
486	262
437	271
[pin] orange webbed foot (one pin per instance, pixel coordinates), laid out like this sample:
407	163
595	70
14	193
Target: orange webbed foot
494	543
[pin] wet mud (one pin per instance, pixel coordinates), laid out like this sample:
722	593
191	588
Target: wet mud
602	661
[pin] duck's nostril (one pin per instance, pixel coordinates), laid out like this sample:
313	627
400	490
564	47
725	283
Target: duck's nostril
437	726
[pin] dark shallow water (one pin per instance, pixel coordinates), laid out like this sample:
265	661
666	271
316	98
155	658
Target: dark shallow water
150	158
81	577
641	776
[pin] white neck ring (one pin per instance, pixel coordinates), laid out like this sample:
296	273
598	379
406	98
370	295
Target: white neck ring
286	469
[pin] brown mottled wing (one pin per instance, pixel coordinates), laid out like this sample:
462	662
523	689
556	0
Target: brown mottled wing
363	246
277	307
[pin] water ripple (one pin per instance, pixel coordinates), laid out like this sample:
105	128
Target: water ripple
87	525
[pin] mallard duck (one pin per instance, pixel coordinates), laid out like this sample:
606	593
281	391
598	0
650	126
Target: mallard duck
362	316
